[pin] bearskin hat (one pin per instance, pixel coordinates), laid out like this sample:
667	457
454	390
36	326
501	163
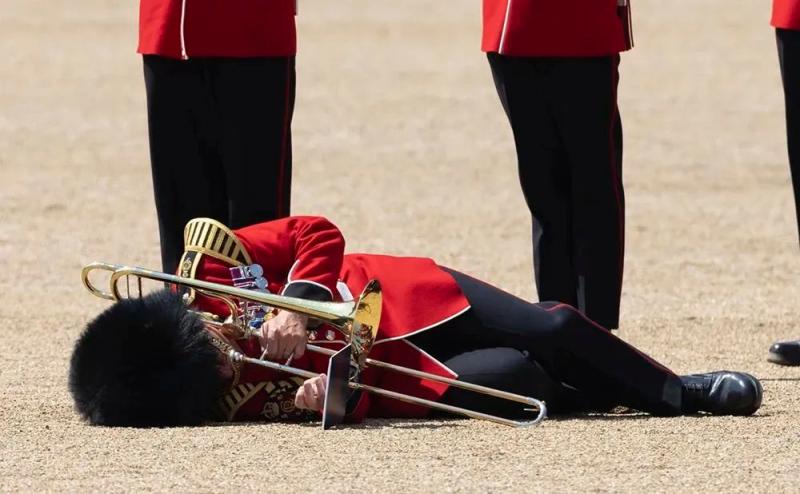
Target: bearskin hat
146	362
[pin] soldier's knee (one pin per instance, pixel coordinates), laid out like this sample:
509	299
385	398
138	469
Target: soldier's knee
565	319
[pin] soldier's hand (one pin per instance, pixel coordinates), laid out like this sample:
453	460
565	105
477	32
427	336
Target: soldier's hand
284	335
311	395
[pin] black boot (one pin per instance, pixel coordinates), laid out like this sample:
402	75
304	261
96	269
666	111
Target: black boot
785	353
721	393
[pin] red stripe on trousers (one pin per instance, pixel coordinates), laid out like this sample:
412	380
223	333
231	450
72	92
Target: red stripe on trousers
613	162
601	328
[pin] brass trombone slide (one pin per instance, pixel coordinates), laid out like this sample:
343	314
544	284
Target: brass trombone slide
358	320
337	314
526	400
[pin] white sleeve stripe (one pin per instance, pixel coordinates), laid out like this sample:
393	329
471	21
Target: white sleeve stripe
291	270
344	291
290	281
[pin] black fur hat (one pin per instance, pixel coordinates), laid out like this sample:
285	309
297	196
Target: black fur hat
145	362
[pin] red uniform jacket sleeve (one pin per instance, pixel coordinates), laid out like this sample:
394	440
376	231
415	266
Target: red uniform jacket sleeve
301	257
305	252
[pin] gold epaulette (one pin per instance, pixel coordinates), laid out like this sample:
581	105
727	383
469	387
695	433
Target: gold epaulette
207	237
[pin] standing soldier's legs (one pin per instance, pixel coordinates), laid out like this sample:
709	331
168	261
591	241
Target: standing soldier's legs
255	98
523	85
788	352
185	165
590	126
789	55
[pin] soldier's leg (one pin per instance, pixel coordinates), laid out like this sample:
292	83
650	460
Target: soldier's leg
589	123
505	369
255	100
788	352
789	56
184	163
571	348
523	85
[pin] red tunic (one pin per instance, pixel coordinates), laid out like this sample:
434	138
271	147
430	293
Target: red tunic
304	257
786	14
556	28
204	28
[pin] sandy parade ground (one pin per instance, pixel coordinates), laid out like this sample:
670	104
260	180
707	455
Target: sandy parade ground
399	138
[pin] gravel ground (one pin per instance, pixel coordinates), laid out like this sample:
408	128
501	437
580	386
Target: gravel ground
400	139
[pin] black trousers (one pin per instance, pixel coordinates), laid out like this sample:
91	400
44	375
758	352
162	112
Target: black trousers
568	135
549	351
789	56
220	142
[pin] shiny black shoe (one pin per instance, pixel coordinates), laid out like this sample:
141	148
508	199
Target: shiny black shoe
721	393
785	353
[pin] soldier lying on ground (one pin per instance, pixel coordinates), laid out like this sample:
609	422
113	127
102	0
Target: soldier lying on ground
152	362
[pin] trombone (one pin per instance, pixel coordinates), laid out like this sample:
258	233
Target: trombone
358	320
